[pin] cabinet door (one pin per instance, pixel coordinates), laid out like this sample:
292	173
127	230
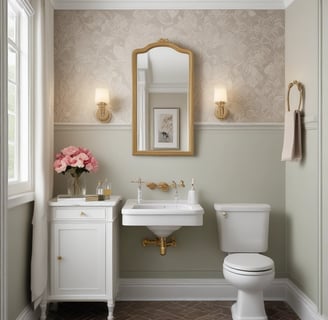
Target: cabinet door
78	259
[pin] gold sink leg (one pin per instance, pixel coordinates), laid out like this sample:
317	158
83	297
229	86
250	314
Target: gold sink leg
160	242
162	249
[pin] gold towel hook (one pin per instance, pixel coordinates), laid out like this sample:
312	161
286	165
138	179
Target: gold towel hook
300	88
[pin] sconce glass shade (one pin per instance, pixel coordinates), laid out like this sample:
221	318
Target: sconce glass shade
220	94
102	95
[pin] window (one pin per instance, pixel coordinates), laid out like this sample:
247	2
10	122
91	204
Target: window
19	97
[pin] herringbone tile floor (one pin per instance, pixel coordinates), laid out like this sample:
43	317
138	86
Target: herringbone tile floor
163	310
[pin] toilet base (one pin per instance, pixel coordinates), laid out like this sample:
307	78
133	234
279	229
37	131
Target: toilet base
235	315
250	303
249	306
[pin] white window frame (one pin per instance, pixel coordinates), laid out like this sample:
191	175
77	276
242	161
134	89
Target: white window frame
23	180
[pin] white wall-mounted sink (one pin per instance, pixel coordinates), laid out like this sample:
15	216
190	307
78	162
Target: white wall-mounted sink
162	217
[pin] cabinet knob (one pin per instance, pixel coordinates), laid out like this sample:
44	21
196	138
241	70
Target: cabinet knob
83	214
59	258
224	214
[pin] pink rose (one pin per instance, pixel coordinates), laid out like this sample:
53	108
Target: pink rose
70	151
92	165
60	166
77	158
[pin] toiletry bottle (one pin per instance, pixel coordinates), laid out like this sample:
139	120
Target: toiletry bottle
100	191
107	189
192	195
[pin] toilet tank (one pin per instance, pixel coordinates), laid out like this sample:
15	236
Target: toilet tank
243	227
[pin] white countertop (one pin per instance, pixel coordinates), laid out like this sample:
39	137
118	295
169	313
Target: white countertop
113	201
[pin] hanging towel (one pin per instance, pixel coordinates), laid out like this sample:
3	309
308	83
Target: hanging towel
292	146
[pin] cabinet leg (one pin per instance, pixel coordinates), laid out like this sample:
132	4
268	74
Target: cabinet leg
43	307
110	307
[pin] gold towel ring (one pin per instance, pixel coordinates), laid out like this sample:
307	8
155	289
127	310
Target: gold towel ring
300	88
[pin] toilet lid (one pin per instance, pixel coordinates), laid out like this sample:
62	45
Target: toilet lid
249	262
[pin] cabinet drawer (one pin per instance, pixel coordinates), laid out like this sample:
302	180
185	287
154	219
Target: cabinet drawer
79	213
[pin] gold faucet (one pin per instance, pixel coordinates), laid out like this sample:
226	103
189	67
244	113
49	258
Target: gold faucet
164	186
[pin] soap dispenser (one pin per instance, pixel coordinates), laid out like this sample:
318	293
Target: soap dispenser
192	195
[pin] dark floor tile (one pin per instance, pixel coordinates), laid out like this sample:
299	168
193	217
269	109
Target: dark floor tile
162	310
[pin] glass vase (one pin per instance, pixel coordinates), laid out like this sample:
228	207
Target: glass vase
76	184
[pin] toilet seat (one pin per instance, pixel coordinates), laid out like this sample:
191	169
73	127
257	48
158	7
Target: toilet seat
248	263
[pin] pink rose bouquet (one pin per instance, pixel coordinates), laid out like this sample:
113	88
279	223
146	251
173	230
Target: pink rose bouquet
75	160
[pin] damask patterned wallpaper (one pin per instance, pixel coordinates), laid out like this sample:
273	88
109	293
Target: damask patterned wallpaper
241	49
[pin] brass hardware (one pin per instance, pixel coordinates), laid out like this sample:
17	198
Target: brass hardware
151	185
83	214
220	99
160	242
102	100
150	242
59	258
163	186
221	112
300	88
103	114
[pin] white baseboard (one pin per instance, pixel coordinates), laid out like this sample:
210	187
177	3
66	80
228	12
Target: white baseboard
188	289
301	304
29	314
213	289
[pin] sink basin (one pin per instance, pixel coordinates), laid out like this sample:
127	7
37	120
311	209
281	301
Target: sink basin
160	216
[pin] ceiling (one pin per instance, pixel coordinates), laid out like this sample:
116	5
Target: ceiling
169	4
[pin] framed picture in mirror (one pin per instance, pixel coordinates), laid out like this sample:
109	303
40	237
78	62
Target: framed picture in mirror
166	128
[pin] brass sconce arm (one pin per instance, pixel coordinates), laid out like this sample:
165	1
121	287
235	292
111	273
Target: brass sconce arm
221	112
103	114
220	100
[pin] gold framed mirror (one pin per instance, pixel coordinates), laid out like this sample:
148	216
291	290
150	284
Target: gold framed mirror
162	112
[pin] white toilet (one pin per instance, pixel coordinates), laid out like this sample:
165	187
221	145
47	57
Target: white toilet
243	231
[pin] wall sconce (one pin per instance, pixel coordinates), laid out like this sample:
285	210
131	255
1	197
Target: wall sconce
220	99
102	100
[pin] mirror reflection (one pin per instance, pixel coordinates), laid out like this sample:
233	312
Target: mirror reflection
162	100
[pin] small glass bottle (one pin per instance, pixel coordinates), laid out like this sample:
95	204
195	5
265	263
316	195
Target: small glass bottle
107	189
100	190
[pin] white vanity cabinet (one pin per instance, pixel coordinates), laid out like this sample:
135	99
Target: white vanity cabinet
83	252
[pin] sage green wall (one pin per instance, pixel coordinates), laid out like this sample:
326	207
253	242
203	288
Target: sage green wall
232	164
302	50
19	239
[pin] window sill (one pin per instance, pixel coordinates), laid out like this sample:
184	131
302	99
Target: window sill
19	199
